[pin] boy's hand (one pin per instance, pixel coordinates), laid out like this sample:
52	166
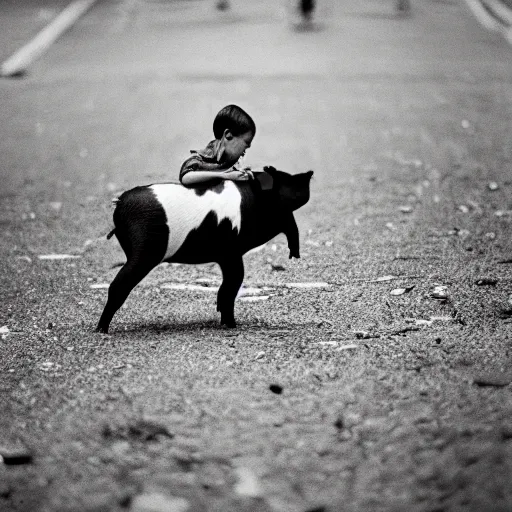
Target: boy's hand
237	175
248	172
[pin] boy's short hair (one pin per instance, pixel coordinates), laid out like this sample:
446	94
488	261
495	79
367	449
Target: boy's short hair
234	119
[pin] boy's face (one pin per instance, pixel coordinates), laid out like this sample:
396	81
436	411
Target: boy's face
235	146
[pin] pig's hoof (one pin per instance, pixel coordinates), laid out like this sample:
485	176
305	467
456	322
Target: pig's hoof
229	324
101	329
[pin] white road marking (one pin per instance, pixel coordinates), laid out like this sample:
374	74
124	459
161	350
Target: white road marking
58	256
191	287
482	15
307	285
501	10
19	62
257	298
99	286
491	22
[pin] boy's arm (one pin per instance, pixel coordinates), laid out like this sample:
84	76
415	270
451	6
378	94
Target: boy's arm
195	171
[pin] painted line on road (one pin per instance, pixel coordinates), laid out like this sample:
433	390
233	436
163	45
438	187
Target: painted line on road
483	16
18	63
500	10
489	21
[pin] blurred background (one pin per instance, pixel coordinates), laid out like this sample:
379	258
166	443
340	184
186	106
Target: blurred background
122	96
404	112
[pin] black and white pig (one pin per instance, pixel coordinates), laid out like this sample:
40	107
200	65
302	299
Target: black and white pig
172	223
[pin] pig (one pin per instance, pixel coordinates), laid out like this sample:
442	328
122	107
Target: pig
168	222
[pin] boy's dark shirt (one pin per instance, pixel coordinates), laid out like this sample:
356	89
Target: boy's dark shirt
202	160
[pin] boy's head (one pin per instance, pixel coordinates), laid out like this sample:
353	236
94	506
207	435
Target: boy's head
235	129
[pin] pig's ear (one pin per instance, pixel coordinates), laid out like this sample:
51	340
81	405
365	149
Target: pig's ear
310	174
271	170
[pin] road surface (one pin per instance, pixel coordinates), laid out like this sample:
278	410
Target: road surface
389	401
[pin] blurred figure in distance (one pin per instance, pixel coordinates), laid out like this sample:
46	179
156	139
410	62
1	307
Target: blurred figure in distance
222	5
403	6
307	8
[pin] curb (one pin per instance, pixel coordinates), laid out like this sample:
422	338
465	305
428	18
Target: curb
18	63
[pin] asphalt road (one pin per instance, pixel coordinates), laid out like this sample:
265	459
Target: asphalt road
389	402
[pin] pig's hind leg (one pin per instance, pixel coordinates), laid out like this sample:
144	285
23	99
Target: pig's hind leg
232	277
145	248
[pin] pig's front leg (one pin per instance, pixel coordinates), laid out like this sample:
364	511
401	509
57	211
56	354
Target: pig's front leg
291	231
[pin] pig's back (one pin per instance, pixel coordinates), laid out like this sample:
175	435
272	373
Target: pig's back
187	209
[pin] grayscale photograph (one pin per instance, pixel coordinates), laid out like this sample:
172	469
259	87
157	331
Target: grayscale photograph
256	256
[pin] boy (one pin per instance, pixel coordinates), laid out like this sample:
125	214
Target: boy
234	130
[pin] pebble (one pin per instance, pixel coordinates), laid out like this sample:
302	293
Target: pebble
351	346
14	455
440	292
248	483
276	388
271	419
383	279
55	205
338	422
5	490
141	430
158	502
120	448
401	291
506	432
495	379
375	428
364	335
486	281
505	312
351	419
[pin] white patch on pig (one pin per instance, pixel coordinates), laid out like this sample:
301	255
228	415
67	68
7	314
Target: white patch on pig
186	210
